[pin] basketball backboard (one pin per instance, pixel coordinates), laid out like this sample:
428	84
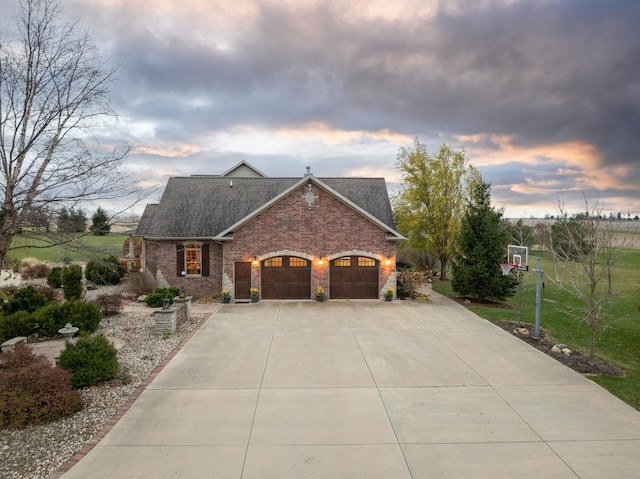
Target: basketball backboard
518	255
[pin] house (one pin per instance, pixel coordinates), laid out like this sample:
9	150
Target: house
284	236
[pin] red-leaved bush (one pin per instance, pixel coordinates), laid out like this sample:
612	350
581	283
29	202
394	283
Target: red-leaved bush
33	391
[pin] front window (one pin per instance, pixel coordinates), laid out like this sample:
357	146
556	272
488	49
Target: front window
193	259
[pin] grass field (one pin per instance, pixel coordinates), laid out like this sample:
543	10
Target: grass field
82	248
618	344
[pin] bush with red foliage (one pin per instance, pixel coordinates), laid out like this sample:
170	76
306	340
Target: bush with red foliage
33	391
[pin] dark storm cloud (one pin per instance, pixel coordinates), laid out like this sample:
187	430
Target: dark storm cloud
536	72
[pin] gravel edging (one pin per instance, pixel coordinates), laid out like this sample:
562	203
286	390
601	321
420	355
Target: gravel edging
38	452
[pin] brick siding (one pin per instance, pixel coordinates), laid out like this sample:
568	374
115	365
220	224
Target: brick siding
327	229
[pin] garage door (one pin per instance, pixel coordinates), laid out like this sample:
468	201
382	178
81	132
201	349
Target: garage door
354	277
286	277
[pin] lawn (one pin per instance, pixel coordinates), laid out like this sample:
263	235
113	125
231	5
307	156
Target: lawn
77	248
618	344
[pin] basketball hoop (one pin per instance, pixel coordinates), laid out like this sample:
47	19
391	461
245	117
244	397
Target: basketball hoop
507	267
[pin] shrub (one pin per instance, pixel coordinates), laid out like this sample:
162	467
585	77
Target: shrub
83	315
26	299
154	299
54	277
108	270
38	270
32	391
20	323
72	282
141	283
109	304
91	359
48	292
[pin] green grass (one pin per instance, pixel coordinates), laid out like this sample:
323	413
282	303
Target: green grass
77	248
618	344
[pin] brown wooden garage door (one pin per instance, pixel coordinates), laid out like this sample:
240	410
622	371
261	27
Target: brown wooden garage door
286	277
354	277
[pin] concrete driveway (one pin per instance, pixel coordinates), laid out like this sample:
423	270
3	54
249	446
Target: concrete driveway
364	389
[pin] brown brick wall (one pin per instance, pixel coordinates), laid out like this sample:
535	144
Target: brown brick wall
161	256
327	228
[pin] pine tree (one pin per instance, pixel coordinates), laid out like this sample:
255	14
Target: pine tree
100	223
481	247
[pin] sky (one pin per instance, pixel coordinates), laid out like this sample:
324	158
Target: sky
543	95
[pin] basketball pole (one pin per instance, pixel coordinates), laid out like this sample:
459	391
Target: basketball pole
536	333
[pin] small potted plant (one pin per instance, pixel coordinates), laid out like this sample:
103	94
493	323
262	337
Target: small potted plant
388	295
226	296
255	295
320	294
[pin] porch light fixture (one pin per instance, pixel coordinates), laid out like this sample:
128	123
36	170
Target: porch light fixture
255	260
388	261
320	260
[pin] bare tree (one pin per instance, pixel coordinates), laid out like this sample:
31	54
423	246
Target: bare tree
585	248
53	94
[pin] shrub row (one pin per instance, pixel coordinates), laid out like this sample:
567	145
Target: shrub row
47	320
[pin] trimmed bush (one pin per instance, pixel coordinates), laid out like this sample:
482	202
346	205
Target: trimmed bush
91	360
72	282
54	277
20	323
106	271
154	299
26	299
83	315
32	391
109	304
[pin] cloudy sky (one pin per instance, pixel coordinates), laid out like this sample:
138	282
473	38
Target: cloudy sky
544	95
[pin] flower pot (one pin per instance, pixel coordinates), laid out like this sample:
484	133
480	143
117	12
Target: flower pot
226	299
388	298
254	299
320	297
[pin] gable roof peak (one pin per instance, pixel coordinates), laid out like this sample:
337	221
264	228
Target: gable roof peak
244	170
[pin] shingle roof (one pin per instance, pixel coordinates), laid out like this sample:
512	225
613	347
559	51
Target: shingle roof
204	206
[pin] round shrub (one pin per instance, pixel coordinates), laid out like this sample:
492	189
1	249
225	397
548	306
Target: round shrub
108	270
154	299
26	299
32	391
91	360
72	282
54	277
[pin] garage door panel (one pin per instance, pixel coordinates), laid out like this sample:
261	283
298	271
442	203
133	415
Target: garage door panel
286	281
350	281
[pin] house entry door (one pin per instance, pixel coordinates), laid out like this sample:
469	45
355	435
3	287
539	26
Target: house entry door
242	283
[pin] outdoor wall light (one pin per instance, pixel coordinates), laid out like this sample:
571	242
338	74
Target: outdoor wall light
255	260
320	260
388	261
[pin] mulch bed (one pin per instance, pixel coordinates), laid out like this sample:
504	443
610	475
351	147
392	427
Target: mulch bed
576	361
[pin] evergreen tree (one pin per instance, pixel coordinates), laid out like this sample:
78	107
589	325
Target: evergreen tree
481	247
100	223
